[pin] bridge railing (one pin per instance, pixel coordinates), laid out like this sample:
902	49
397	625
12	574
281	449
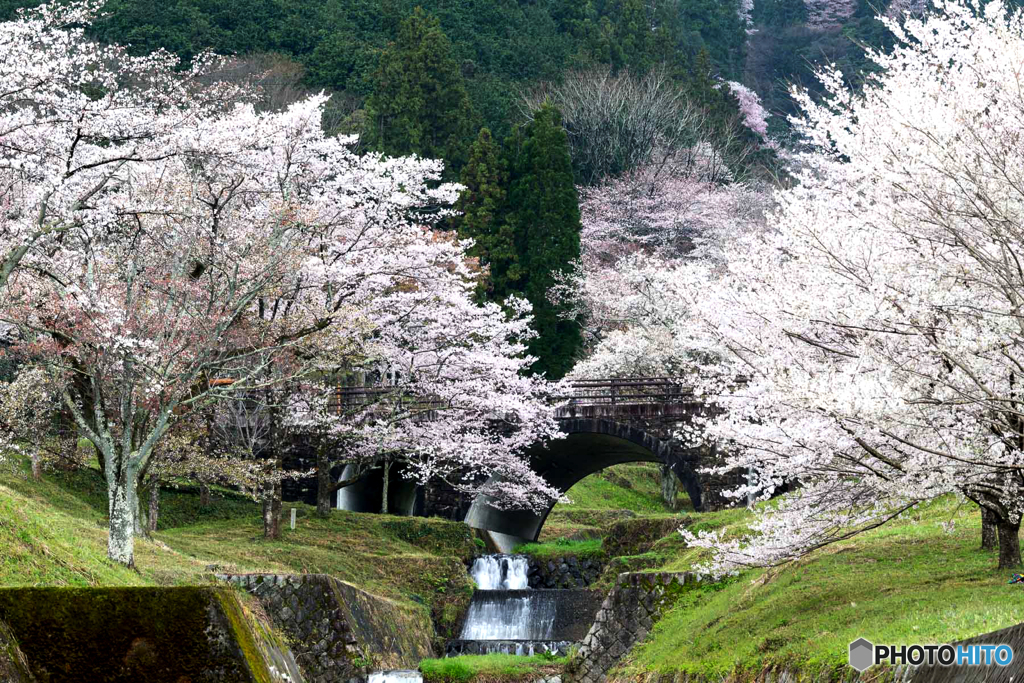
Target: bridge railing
616	391
346	400
595	393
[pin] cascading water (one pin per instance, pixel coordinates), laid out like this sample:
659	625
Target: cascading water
505	615
501	572
511	615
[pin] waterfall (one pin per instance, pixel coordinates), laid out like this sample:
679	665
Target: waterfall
396	676
511	615
500	572
506	616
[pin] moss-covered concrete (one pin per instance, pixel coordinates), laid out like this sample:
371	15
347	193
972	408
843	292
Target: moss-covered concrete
138	634
338	631
13	667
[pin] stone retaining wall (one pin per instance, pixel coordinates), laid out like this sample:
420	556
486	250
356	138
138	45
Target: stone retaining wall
336	630
626	616
564	572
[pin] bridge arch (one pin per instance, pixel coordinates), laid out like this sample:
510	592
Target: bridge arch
590	445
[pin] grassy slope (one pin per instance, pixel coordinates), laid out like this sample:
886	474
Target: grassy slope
606	497
635	487
53	532
907	582
490	668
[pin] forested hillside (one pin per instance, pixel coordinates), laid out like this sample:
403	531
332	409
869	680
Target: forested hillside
498	44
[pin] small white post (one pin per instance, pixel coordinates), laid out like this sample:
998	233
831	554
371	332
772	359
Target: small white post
293	519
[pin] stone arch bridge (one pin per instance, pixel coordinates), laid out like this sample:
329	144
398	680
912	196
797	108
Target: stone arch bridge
609	422
606	422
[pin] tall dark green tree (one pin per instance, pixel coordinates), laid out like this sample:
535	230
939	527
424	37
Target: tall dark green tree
634	35
483	209
545	218
419	103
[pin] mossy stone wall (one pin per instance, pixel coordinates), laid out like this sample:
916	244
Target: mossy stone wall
637	536
569	571
337	631
197	634
625	618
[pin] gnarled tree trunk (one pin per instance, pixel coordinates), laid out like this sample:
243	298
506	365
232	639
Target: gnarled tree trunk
123	505
1009	544
988	529
204	495
37	465
272	512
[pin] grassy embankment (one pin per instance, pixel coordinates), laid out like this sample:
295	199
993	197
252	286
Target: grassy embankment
907	582
53	532
490	668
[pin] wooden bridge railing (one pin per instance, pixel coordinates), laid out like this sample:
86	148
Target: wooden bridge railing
591	393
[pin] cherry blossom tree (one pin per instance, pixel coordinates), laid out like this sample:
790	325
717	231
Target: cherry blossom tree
59	96
829	15
161	233
754	115
640	232
452	403
29	416
869	348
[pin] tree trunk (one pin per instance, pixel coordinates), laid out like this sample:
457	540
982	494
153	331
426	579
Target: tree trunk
988	529
204	496
268	512
272	512
154	506
1009	544
323	482
276	508
142	516
123	505
37	465
387	476
669	487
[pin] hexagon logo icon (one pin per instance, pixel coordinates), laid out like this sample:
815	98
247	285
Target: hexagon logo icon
862	654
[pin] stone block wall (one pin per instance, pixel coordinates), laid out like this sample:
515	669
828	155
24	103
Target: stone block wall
337	631
626	616
564	572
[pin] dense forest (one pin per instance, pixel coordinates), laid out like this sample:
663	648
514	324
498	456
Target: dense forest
497	44
500	45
